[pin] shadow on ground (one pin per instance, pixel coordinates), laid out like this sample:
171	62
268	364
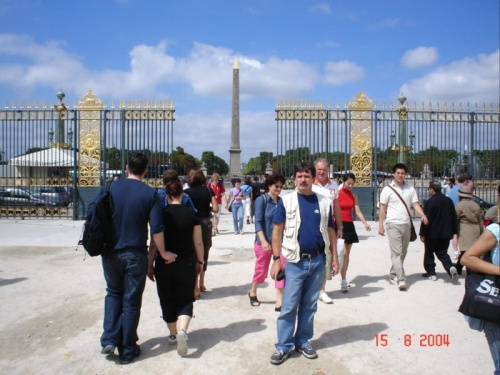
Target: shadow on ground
203	339
344	335
5	282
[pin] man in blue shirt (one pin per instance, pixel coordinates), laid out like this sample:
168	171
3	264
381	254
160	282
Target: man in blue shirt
303	231
125	268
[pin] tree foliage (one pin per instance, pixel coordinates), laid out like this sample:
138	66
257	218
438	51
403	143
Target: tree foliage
253	167
213	163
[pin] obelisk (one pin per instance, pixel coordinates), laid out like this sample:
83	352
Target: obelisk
234	150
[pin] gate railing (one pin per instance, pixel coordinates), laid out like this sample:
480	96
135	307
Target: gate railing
435	142
54	158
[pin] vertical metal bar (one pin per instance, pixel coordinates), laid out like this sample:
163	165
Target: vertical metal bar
75	165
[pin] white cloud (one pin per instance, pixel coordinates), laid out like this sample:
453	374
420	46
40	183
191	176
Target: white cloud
322	8
420	57
468	80
207	71
340	72
257	133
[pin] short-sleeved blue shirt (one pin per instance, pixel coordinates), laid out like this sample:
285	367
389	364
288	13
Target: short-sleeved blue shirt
265	209
310	238
186	199
247	189
134	205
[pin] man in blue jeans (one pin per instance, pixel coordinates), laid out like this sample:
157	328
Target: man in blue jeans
303	231
125	268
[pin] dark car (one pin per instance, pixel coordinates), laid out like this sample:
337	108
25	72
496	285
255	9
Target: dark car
21	197
58	195
482	203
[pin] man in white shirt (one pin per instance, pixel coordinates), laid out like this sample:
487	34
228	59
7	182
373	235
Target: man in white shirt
397	220
329	189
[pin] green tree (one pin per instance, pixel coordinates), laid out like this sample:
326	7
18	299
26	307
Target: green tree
253	166
214	163
183	162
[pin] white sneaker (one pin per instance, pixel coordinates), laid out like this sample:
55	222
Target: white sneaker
456	255
402	285
323	297
433	277
454	274
182	339
344	286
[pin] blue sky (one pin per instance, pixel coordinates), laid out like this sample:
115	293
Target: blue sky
445	50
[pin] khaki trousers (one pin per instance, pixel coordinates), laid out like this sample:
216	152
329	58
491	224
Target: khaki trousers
399	238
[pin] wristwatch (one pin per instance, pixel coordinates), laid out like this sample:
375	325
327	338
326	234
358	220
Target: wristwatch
276	257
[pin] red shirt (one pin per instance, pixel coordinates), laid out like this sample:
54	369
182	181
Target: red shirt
346	203
218	191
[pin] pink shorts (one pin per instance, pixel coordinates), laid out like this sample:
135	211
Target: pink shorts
262	261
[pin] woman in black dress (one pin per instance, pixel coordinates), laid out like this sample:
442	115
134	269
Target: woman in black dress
205	202
175	281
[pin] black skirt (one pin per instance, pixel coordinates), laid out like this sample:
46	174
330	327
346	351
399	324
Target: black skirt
350	235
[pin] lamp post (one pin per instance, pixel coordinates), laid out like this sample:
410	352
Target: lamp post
59	130
401	147
70	137
51	137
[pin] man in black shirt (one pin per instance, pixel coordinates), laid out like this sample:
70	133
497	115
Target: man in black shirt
437	233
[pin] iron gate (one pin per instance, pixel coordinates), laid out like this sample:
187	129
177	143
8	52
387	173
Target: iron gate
435	142
54	159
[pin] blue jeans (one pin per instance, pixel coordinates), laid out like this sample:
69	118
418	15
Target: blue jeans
492	333
300	302
125	274
237	217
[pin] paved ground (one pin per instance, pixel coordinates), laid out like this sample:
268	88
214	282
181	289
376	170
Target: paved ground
52	305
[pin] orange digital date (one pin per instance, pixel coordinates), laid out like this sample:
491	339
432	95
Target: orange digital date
424	340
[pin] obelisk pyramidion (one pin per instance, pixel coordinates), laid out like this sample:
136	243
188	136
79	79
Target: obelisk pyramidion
234	150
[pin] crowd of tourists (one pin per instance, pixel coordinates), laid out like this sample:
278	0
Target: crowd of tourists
302	239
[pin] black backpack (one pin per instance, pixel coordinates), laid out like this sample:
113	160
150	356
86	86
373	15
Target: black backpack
98	236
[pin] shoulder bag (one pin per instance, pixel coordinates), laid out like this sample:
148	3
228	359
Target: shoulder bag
413	235
233	197
482	297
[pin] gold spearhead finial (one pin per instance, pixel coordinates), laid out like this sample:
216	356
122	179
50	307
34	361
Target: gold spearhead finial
236	66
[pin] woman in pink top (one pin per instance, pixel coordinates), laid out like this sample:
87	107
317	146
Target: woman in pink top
347	201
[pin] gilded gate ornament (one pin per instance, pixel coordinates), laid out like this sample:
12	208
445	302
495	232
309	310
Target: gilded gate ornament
89	161
361	134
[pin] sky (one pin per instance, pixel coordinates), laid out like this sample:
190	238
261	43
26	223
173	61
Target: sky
184	51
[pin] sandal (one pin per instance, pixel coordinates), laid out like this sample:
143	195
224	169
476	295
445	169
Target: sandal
253	300
203	288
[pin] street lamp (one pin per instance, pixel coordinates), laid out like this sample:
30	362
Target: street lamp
401	146
51	136
70	137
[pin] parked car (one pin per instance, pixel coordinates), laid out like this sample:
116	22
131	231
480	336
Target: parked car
482	203
21	197
54	194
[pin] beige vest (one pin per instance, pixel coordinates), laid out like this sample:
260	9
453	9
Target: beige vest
290	247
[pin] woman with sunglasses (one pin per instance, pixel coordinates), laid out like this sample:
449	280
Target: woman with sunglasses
265	208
